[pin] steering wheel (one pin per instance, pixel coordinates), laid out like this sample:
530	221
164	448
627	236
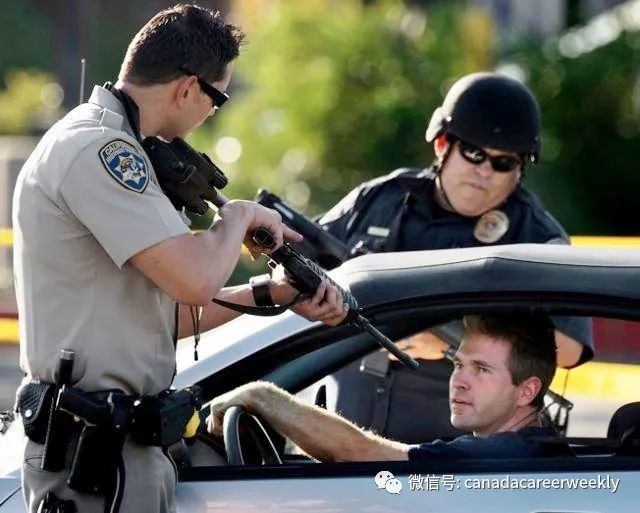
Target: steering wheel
246	440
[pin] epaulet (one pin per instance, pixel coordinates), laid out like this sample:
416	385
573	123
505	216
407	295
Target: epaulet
111	119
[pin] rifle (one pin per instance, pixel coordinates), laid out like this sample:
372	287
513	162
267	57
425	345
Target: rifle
318	244
189	178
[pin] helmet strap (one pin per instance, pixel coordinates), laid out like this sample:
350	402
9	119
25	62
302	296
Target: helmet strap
440	194
523	167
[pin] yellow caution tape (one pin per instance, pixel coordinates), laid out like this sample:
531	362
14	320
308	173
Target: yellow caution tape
614	381
611	242
6	240
9	331
6	237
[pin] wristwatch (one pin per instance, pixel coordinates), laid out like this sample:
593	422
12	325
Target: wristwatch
260	288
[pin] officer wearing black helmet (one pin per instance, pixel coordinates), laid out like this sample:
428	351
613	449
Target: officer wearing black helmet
484	134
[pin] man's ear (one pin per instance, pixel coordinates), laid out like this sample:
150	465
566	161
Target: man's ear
440	145
528	390
183	89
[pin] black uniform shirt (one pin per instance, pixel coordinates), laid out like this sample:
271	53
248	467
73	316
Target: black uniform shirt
403	202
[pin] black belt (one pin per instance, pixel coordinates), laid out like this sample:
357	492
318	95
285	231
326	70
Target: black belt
92	426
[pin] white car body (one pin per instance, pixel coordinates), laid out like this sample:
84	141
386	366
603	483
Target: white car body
293	347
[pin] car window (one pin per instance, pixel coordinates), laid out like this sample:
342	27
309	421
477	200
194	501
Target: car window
376	392
373	389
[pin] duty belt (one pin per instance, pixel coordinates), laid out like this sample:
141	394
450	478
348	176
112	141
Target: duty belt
92	427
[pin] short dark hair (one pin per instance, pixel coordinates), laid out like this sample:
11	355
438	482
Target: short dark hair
533	345
186	36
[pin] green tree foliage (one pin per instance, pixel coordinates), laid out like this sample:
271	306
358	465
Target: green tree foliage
591	115
329	94
26	38
30	103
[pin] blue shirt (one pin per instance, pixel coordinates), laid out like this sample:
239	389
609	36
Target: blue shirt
508	444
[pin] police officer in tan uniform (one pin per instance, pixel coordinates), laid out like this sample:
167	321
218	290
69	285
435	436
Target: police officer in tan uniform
102	258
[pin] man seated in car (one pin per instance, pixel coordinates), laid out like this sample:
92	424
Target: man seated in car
502	371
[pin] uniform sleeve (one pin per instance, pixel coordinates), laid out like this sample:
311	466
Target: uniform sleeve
108	187
579	329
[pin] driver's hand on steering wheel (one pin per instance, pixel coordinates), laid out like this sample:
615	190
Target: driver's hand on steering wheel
240	396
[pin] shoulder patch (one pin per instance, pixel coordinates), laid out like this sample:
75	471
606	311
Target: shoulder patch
125	164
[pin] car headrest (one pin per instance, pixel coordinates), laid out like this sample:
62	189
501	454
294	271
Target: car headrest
625	422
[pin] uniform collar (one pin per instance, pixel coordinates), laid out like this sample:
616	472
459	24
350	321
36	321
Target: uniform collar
105	99
421	186
418	183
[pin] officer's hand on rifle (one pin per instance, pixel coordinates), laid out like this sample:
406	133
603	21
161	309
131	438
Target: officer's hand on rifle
256	216
326	304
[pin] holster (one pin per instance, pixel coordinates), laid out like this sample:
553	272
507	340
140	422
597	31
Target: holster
98	451
98	423
96	459
160	420
61	429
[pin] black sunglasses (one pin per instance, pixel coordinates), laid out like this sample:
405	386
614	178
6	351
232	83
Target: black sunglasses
499	163
218	98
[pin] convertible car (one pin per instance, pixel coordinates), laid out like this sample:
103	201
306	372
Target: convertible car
254	469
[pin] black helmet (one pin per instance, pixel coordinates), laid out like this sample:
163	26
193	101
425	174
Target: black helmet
490	110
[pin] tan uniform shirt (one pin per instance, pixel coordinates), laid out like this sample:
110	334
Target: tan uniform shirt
86	201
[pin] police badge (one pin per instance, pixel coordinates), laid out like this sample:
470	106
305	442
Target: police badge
491	226
125	165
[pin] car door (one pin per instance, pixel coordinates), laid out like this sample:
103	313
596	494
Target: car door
495	486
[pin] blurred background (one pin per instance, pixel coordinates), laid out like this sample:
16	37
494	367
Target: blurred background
329	93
